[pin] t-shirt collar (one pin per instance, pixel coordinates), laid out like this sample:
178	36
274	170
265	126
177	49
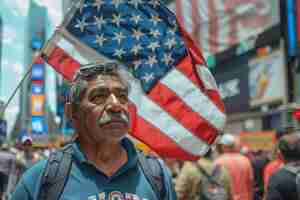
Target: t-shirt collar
125	142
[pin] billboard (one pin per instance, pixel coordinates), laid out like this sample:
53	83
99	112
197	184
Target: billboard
37	105
232	80
266	78
37	89
38	125
37	72
264	140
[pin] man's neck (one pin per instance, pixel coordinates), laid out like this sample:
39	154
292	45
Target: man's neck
108	156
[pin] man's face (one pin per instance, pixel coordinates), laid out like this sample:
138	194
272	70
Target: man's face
104	109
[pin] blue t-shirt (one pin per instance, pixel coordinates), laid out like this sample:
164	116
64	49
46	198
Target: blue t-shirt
86	182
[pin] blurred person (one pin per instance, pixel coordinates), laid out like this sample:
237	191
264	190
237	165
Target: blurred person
282	184
238	167
101	162
26	156
276	162
8	172
190	182
174	166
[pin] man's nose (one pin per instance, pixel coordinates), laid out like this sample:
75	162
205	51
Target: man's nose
113	99
114	103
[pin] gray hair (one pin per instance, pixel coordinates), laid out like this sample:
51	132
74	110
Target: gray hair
90	72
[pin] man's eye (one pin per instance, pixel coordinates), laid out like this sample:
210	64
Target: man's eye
123	97
99	98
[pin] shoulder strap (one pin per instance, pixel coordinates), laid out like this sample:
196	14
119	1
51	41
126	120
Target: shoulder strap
153	172
55	174
208	176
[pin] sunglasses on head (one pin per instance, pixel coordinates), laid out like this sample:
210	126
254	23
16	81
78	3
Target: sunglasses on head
91	70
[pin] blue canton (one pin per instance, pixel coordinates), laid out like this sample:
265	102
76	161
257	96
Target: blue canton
141	34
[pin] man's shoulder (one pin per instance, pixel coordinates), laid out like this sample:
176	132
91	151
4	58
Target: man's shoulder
28	185
32	174
282	175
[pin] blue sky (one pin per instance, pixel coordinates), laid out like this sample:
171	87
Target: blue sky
14	16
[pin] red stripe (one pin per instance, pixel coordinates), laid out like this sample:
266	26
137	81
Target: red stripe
190	72
38	82
196	22
213	27
179	11
181	112
233	24
63	62
159	142
192	46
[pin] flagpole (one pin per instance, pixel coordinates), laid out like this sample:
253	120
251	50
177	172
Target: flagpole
19	85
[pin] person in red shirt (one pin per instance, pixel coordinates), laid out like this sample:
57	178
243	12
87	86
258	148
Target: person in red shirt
238	167
274	165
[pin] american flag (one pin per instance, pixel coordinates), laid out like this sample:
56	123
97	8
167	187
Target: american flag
176	108
218	25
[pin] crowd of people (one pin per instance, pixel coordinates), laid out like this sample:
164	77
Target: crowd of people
102	163
231	172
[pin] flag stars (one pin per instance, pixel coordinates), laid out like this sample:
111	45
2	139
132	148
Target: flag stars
136	3
153	46
137	34
119	53
100	40
155	33
117	3
117	19
136	48
148	77
98	4
119	37
80	6
168	59
172	31
99	22
154	3
155	19
136	18
171	43
81	24
151	61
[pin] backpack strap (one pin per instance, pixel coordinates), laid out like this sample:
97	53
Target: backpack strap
55	174
153	171
209	177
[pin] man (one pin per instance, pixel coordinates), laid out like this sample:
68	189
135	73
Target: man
276	160
26	156
105	164
188	185
8	172
238	167
282	184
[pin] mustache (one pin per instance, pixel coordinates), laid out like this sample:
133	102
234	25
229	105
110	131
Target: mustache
113	117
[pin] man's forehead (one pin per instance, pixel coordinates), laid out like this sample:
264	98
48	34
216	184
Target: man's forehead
107	81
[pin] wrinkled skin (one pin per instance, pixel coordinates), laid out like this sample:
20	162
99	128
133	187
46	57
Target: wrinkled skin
101	121
103	111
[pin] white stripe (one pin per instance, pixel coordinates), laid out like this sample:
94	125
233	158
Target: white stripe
186	9
71	50
194	98
155	115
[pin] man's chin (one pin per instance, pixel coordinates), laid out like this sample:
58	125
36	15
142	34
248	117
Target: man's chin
115	131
